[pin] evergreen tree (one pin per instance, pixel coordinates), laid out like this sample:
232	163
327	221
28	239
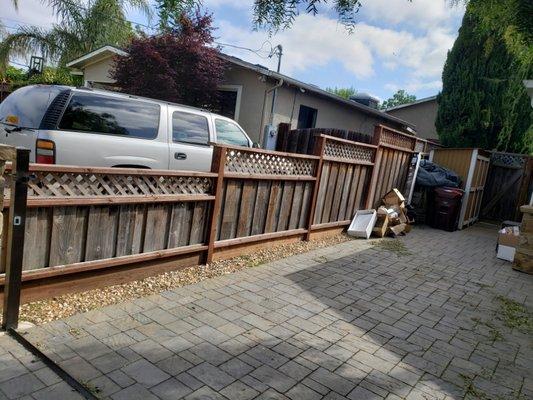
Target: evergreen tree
483	102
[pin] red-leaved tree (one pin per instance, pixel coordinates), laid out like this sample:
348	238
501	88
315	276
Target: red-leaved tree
179	66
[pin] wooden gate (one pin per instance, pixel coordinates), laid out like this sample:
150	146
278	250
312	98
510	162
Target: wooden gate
509	185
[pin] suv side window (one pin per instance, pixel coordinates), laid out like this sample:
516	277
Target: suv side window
189	128
230	133
89	112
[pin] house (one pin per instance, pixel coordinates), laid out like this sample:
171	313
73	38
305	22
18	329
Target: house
247	96
420	113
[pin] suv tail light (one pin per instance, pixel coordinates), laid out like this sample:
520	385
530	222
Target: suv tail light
45	152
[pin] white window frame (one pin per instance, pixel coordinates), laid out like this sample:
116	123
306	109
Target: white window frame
234	88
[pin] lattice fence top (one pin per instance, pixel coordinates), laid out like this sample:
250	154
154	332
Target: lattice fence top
250	162
396	139
348	151
508	160
46	184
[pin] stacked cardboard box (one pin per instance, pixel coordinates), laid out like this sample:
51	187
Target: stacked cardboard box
523	259
392	216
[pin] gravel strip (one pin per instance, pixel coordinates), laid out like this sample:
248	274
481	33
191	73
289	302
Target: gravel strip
43	311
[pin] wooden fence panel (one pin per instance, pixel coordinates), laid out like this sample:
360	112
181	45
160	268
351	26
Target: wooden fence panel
127	223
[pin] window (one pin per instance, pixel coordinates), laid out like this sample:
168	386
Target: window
230	133
189	128
306	117
89	112
28	105
227	103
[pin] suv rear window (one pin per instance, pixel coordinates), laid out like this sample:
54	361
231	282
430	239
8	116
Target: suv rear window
28	104
89	112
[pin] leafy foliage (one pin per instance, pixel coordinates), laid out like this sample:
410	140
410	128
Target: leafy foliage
179	66
398	98
342	92
483	102
170	11
57	76
274	15
80	30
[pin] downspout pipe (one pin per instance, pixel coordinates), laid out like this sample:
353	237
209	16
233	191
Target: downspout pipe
274	95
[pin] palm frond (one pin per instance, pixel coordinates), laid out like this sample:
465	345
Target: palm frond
26	40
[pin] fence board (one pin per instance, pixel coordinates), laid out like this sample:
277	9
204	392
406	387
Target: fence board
249	191
181	215
156	227
67	243
285	206
274	201
230	214
260	207
198	223
330	192
101	232
339	188
296	206
37	238
130	229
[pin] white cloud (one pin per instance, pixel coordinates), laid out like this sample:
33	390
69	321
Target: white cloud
30	12
415	85
424	14
317	41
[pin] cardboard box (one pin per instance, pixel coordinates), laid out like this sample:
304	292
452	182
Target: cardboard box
506	252
509	240
382	222
393	198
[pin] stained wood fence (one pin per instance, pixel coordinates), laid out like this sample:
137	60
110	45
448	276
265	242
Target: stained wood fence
509	185
90	227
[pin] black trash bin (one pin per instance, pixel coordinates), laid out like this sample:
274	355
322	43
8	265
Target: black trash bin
446	208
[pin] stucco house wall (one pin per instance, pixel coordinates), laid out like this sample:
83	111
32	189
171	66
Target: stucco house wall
422	115
254	97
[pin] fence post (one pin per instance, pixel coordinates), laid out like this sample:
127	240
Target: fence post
320	145
15	238
375	169
217	166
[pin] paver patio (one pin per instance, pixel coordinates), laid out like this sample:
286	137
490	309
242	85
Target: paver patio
349	321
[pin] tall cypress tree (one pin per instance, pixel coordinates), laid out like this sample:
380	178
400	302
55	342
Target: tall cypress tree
483	102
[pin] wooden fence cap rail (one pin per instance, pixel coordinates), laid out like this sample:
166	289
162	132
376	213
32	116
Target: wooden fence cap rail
113	171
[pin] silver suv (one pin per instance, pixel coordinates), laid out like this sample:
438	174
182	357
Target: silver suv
80	126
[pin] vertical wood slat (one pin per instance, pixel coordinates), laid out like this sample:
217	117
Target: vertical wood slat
319	151
285	206
371	194
346	193
246	213
306	204
330	192
37	238
322	187
101	232
67	242
339	188
130	229
179	232
260	207
273	207
198	224
156	227
217	166
230	210
296	206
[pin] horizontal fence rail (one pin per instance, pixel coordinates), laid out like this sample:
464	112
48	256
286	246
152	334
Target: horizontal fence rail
90	227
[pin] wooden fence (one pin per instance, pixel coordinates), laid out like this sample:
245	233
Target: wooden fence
509	186
472	166
90	227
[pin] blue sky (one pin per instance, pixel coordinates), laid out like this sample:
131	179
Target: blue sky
396	44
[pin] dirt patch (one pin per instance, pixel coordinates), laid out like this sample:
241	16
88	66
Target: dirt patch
60	307
393	245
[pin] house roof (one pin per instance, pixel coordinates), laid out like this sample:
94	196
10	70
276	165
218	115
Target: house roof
96	55
314	89
107	51
424	100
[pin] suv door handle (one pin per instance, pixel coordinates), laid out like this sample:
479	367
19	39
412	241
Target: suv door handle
180	156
